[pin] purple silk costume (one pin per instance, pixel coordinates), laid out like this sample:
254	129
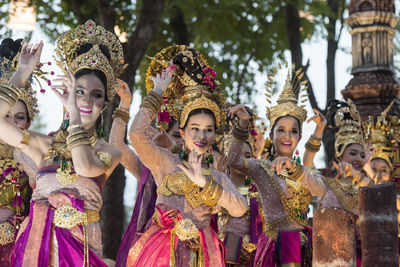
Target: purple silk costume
39	242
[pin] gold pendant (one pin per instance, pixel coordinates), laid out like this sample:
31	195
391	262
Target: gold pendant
65	177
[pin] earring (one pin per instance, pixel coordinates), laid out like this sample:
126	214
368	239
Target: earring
100	131
210	158
296	157
182	154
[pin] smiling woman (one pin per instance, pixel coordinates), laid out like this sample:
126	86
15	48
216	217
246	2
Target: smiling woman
284	186
189	190
74	163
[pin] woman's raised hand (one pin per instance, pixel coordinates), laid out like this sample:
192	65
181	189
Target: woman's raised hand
241	112
67	96
281	163
194	170
162	81
124	93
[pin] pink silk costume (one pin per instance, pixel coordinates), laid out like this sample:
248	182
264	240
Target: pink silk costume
286	249
8	216
154	248
39	242
146	192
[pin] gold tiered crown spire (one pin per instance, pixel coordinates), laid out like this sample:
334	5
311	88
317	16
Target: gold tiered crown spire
288	103
95	59
382	135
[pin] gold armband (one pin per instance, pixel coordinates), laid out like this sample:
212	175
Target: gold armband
106	159
211	192
245	163
296	172
240	133
121	113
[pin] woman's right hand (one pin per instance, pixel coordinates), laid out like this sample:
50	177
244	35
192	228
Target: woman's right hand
240	111
162	81
67	84
124	93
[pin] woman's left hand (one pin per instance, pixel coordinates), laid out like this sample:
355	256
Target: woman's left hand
194	170
367	154
281	163
67	84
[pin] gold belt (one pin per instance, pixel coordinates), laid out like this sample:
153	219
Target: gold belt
7	233
67	217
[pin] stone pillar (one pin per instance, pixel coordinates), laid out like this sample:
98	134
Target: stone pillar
379	225
334	241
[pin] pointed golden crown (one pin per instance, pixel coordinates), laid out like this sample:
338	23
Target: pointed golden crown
348	122
193	85
288	104
27	94
382	135
89	33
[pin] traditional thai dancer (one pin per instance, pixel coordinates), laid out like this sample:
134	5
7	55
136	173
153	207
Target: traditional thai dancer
240	235
146	192
284	186
63	224
17	169
352	155
188	190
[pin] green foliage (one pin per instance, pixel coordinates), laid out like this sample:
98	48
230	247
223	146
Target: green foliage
239	38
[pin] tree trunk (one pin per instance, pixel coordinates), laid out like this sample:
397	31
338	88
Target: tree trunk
112	213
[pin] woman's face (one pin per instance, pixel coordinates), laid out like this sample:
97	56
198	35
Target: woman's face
173	132
285	136
18	115
90	98
381	167
353	154
199	132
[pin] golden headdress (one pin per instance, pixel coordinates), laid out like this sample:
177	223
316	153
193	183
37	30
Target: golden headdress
27	95
95	58
348	123
382	135
287	103
193	85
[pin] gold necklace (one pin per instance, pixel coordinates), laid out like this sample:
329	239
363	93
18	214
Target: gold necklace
60	152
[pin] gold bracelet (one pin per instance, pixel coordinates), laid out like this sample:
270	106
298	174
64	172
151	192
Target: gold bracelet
122	114
155	96
82	142
314	140
147	104
211	193
74	126
239	134
295	173
312	148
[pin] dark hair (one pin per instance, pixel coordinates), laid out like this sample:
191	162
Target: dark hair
171	124
200	111
333	106
190	64
298	123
